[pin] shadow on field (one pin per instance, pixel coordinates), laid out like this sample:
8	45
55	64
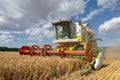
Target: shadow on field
104	65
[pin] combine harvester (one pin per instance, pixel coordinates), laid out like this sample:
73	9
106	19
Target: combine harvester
74	40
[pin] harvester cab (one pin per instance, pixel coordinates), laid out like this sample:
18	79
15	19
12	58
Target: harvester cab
65	31
76	36
74	40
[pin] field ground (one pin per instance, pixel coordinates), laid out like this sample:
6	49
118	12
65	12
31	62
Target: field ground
110	71
55	68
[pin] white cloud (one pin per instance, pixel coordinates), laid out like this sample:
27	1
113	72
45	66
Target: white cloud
110	26
92	14
40	31
71	7
21	16
2	21
112	4
10	8
6	37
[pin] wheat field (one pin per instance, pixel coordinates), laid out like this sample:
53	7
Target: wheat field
16	67
110	70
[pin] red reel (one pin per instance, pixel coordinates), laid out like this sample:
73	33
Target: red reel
24	50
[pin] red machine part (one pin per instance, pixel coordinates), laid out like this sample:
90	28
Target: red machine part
89	55
45	49
63	50
35	50
24	50
29	50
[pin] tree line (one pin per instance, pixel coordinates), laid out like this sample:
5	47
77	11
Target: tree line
8	49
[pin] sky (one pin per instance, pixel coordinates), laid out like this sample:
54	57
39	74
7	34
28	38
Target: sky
29	21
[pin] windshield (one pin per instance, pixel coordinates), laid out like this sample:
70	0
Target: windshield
65	30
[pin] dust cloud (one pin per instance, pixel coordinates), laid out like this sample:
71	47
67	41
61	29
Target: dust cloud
112	52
